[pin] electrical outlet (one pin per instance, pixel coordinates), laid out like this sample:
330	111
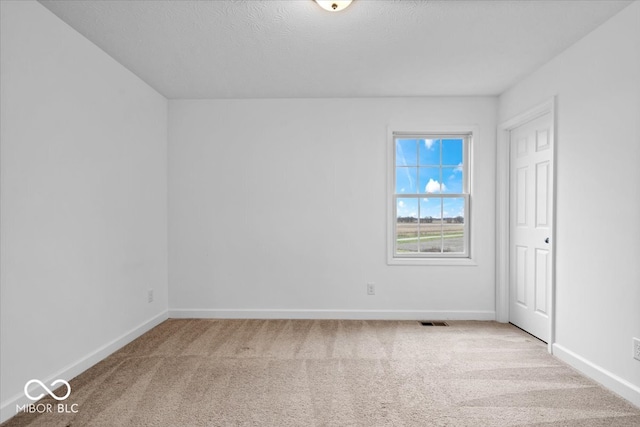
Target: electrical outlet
150	295
636	348
371	288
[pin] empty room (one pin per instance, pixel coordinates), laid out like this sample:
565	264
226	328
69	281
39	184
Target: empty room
319	213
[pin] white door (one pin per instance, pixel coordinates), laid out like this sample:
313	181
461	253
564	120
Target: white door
531	198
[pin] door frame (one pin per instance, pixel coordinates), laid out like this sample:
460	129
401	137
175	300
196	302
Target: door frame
503	211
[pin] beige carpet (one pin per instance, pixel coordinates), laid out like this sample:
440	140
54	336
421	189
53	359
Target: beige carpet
334	373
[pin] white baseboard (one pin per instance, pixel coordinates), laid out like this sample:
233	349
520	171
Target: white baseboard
8	408
609	380
330	314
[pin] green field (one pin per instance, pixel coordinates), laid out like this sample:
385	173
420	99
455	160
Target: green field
426	237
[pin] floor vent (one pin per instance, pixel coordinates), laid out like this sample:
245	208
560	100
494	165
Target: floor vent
430	323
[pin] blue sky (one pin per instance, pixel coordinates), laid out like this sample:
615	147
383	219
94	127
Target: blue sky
424	207
419	170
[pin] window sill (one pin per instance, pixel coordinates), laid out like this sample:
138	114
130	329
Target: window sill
455	262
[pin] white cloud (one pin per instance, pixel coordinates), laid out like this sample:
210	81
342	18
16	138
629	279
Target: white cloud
428	143
458	168
400	204
434	186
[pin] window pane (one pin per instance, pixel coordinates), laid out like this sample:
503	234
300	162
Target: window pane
406	180
407	209
429	180
452	152
430	224
431	207
453	224
452	179
406	152
429	152
407	225
429	195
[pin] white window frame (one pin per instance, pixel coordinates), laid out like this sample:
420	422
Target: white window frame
469	134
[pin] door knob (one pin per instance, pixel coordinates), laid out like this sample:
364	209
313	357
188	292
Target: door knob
546	240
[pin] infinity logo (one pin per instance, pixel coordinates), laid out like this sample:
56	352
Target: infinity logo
38	397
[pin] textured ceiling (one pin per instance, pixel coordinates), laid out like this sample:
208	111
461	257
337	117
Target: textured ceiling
292	49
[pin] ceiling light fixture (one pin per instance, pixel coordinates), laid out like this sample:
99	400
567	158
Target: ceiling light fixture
333	6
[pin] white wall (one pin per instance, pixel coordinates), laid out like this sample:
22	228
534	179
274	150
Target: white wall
83	215
277	208
597	83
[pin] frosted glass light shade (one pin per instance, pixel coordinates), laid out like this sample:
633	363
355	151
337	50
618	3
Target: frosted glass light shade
333	6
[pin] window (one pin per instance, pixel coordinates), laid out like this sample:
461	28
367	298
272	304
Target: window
430	196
